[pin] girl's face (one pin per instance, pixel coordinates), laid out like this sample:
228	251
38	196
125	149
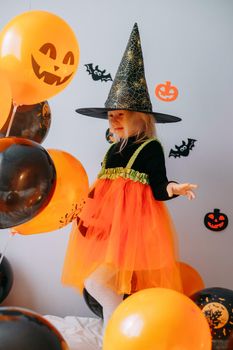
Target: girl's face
124	123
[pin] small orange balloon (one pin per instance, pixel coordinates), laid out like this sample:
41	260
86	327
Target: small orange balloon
157	318
39	54
191	279
68	198
5	99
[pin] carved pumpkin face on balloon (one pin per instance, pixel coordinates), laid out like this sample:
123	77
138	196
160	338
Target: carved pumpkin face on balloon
48	53
39	53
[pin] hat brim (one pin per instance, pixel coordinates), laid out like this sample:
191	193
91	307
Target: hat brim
102	113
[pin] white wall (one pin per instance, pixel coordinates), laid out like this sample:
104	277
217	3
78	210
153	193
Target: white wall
186	42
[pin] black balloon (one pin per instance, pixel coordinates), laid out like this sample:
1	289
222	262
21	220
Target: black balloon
27	180
6	278
30	122
217	306
22	329
109	136
93	304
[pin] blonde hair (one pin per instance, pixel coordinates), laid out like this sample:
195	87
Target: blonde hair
148	126
147	129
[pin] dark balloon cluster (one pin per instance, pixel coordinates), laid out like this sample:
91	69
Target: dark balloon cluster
216	305
22	329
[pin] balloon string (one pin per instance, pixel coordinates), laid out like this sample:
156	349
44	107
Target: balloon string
11	120
12	234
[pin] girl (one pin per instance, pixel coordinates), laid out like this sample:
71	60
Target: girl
124	241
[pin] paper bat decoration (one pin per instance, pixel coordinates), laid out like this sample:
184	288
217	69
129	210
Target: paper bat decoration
96	73
183	150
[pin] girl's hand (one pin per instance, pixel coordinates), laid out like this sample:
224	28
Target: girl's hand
181	189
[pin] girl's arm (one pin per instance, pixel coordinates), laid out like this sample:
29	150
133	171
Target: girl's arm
155	167
181	189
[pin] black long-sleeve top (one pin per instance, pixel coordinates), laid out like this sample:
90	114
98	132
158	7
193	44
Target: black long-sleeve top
150	161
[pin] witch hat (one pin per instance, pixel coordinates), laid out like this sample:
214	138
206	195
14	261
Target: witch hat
129	89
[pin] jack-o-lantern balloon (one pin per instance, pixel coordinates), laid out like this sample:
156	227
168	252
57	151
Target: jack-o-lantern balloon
39	54
166	92
216	221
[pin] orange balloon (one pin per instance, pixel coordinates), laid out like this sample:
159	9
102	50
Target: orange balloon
5	100
39	53
67	200
191	279
157	318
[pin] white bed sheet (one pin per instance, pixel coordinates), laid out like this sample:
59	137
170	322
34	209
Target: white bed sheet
80	333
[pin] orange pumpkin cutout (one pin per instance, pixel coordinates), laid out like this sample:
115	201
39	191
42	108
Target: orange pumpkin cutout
166	92
39	54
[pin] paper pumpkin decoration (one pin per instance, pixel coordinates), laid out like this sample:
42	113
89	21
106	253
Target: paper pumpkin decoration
166	92
217	306
39	54
216	221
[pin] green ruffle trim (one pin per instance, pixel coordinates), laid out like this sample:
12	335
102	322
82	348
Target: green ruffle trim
114	173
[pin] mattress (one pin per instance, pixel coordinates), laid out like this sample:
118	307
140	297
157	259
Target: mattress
80	333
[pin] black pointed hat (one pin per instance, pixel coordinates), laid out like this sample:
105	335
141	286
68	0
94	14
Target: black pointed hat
129	89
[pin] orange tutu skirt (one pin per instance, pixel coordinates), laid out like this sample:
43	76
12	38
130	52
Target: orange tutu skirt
124	229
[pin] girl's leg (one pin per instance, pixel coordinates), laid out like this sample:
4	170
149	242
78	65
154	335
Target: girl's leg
95	284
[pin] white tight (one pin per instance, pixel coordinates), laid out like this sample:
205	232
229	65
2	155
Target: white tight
106	297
